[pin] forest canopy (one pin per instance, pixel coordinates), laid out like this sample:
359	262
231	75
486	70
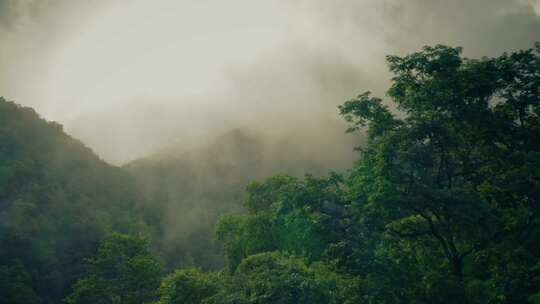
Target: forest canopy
442	206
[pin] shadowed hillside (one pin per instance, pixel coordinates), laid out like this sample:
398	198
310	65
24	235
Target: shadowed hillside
57	201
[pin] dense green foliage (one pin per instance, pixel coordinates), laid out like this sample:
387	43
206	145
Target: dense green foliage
57	201
270	277
188	286
123	271
450	190
442	206
16	285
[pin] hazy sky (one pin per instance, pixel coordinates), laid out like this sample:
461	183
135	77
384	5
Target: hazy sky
130	77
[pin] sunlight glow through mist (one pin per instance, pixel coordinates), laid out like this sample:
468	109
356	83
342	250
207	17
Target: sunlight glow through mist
130	77
159	51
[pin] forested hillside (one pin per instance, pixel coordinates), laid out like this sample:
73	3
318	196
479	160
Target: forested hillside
57	201
442	205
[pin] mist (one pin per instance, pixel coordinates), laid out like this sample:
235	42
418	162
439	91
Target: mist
156	150
130	78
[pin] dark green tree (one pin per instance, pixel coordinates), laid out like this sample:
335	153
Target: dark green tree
123	271
441	207
16	285
57	201
293	215
272	278
452	178
188	286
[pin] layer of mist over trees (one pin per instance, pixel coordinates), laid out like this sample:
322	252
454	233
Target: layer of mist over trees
190	189
441	206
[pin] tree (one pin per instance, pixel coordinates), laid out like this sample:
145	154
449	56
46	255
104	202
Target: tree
123	271
188	286
16	285
272	278
453	179
58	200
287	214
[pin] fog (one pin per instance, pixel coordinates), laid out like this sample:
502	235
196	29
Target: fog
198	98
130	78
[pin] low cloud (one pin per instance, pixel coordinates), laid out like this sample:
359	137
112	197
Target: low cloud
130	78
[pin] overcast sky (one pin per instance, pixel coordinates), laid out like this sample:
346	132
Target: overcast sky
130	77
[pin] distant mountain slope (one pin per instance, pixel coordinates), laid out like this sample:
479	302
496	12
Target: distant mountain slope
57	200
192	185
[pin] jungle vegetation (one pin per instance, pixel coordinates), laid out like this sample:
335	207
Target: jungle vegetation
442	206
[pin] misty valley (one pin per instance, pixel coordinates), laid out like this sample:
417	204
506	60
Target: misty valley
440	202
